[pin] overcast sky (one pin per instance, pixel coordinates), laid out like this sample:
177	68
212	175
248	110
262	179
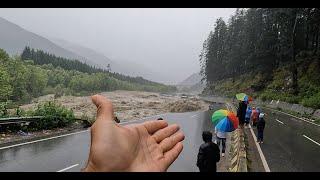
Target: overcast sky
165	39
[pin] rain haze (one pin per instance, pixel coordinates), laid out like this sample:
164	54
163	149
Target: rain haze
166	41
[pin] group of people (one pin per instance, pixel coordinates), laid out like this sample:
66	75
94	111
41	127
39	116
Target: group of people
209	152
251	115
257	119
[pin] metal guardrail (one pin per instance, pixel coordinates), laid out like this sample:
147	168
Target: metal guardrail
19	120
237	152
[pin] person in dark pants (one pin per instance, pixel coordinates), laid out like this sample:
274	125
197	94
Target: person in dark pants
241	113
209	154
260	127
221	139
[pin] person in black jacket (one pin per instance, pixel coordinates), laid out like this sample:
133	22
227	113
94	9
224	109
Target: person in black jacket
209	154
260	127
241	113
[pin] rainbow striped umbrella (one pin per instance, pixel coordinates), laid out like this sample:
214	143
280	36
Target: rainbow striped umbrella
224	120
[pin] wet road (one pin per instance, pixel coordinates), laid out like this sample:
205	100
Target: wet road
70	153
290	144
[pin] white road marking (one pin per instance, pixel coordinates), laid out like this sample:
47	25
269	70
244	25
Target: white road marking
312	140
15	145
293	116
263	159
279	121
68	168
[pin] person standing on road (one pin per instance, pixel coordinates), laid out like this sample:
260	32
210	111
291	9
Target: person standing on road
221	139
260	127
254	116
209	154
241	112
258	111
248	116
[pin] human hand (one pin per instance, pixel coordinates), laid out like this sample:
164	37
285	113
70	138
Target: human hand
149	146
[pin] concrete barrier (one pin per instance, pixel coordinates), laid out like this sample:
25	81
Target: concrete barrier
316	114
286	106
301	109
238	154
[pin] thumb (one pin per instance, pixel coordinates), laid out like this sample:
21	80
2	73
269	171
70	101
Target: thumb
104	108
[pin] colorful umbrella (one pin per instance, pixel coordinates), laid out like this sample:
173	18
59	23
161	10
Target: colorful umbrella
225	121
243	97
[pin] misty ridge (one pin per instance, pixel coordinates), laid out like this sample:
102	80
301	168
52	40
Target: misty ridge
156	44
19	38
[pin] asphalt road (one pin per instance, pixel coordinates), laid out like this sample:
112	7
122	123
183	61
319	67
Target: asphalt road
290	144
69	153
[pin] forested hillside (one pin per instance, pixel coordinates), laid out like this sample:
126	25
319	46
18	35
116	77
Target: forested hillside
37	73
40	57
272	53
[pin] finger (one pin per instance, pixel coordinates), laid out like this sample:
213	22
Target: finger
171	156
168	143
104	108
154	126
165	132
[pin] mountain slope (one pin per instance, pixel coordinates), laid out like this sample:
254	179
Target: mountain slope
14	39
117	65
94	57
191	80
192	84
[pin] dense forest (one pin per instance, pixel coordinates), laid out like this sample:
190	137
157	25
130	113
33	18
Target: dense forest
37	73
40	57
272	53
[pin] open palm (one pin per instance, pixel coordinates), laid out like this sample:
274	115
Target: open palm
150	146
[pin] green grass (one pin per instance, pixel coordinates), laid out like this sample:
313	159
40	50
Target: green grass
54	116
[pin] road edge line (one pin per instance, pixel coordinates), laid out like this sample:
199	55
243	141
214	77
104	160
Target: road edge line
44	139
311	139
68	168
292	116
263	159
54	137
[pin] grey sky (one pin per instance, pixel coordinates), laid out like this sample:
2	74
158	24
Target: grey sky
165	39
